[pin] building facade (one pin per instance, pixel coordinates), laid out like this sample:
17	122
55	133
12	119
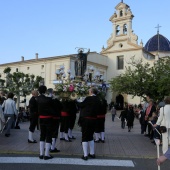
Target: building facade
123	45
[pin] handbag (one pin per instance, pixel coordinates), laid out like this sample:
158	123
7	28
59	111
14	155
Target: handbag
163	129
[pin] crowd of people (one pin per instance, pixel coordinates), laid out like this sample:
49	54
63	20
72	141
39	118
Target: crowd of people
54	117
154	119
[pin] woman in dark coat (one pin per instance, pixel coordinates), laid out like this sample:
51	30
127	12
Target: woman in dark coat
130	118
141	117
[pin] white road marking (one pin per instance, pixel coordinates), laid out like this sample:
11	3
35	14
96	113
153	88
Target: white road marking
67	161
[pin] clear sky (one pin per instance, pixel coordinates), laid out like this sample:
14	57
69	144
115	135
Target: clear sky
56	27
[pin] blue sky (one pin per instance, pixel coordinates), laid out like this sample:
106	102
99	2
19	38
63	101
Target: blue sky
56	27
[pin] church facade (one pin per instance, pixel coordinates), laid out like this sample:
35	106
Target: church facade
123	45
110	62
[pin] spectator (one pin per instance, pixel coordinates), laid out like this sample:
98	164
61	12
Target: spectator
123	117
130	118
142	119
148	116
113	112
10	112
164	120
153	131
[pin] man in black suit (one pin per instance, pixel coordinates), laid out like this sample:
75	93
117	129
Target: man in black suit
73	112
100	122
89	109
46	119
33	116
56	111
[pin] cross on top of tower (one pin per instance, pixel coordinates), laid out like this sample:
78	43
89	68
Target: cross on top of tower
121	1
158	26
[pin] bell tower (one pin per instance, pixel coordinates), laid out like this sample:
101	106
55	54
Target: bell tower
122	25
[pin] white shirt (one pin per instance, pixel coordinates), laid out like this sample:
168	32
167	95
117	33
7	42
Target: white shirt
164	117
10	107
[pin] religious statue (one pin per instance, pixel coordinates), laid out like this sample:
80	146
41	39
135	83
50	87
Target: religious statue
81	63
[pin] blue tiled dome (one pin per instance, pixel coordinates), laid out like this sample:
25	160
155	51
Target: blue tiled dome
152	44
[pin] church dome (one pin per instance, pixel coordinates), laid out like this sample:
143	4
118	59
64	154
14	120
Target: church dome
152	44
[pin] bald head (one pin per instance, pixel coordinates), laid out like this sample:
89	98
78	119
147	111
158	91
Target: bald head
35	93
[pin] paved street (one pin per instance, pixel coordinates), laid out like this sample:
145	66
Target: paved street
133	149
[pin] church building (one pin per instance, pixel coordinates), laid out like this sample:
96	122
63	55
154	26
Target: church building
123	45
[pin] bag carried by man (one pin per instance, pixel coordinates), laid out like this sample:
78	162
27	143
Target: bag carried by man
163	129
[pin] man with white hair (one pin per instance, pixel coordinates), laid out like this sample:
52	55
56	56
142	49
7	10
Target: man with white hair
33	116
89	109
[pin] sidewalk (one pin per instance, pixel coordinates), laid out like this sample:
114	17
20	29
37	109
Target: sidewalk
118	142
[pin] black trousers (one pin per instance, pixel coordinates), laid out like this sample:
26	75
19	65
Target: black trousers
33	121
46	130
143	128
149	129
123	124
64	124
100	125
72	121
55	127
88	128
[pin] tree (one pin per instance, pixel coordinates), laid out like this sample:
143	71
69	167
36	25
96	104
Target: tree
19	83
141	79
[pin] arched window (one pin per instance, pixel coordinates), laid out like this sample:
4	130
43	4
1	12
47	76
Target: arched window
121	13
124	29
117	30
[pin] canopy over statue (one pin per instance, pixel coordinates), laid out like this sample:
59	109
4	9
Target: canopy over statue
81	62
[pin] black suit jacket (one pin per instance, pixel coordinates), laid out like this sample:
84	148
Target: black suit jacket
33	105
90	107
45	105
